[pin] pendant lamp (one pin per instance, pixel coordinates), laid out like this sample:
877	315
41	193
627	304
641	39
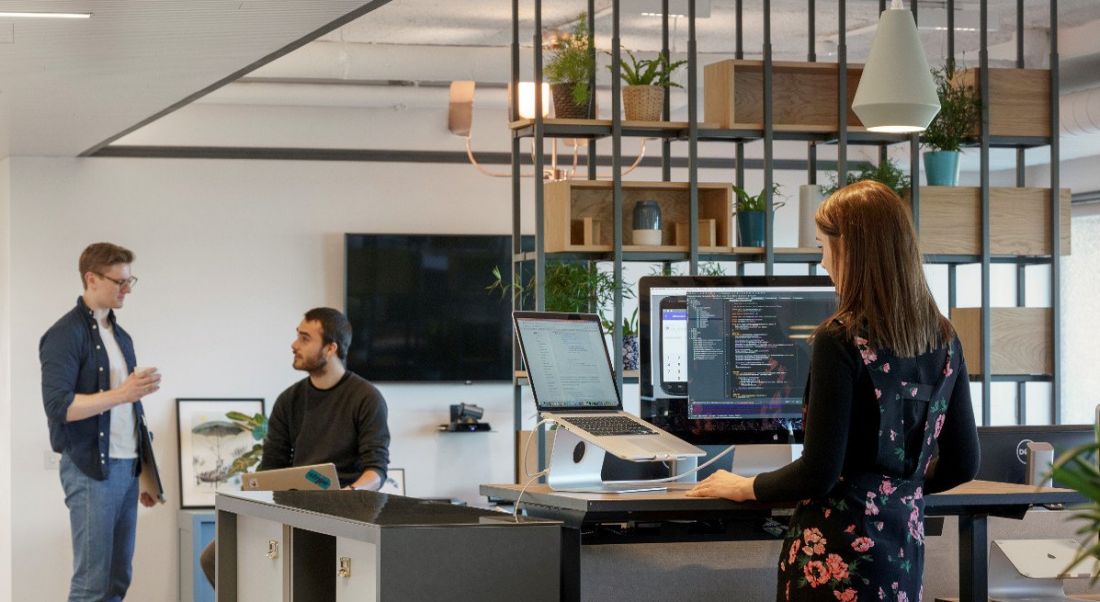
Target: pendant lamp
896	93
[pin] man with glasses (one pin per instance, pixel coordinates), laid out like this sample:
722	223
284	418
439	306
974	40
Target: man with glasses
92	394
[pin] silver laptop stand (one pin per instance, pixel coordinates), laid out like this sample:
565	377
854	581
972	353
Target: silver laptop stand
576	466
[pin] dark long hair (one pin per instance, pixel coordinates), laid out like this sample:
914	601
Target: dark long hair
883	294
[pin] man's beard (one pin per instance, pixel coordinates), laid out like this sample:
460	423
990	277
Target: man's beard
314	365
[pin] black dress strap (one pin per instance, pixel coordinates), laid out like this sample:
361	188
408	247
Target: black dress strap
900	400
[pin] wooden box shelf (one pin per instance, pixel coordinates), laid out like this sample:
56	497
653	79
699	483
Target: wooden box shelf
804	95
1019	101
1021	339
570	201
950	221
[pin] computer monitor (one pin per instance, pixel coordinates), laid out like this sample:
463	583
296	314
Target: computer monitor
1004	448
725	359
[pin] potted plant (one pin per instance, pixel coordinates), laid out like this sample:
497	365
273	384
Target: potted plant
571	65
960	111
750	216
578	287
1078	470
647	81
886	172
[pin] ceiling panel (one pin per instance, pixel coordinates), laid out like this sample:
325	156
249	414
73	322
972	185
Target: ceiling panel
67	86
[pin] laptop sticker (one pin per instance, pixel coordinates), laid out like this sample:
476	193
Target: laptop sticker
318	479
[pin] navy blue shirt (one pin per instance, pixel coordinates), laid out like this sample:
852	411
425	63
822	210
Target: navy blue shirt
74	362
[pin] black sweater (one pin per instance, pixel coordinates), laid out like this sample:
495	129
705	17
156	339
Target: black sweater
345	425
842	425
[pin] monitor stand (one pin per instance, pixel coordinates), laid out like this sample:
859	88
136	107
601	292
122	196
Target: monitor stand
576	466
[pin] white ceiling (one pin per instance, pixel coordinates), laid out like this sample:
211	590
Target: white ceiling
66	86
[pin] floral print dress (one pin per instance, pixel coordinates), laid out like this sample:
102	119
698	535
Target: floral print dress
864	540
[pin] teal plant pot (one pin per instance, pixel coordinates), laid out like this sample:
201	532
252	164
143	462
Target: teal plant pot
750	228
941	168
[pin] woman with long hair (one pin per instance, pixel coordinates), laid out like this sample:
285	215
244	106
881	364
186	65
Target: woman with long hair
887	387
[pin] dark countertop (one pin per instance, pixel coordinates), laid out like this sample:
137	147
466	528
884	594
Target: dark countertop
361	514
969	497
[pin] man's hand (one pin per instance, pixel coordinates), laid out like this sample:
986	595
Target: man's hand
139	384
147	499
725	484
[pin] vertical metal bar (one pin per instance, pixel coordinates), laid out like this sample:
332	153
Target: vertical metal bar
617	191
987	310
517	233
1021	180
1021	301
592	151
811	163
952	287
811	56
769	141
666	111
973	558
811	39
841	93
951	34
739	54
914	160
1055	224
540	234
693	145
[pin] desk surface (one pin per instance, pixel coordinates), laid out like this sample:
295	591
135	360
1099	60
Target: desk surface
965	497
360	512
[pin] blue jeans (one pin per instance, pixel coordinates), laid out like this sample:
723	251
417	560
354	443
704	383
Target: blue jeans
103	515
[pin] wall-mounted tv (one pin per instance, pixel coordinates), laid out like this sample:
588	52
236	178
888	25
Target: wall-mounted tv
420	311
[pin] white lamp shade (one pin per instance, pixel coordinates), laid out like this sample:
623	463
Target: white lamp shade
896	92
527	99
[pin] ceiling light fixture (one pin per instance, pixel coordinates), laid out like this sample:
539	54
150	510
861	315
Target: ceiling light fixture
42	15
896	93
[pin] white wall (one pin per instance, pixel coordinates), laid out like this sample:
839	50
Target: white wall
230	253
5	382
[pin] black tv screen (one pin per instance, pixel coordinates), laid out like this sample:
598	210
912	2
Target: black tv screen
419	309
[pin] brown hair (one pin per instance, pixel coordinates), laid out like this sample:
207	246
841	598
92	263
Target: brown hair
883	294
99	257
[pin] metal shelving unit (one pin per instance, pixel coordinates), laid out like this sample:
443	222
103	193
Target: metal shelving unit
692	132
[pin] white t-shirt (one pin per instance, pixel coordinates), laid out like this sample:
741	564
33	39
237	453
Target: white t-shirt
123	425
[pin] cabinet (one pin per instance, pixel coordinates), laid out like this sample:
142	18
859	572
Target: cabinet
362	546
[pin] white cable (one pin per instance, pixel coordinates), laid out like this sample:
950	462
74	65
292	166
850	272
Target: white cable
534	477
527	446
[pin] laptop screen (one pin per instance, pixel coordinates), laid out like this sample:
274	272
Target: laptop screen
567	361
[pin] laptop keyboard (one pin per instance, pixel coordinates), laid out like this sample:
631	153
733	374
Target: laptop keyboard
602	426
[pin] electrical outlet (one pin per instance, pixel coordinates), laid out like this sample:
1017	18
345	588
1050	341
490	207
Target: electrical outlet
52	461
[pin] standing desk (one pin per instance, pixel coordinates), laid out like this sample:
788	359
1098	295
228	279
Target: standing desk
972	502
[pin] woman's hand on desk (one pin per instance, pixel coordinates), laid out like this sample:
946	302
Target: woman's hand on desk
725	484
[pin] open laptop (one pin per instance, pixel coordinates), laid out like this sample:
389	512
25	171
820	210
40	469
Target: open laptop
314	476
573	385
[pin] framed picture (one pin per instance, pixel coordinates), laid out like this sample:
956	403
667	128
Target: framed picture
217	438
395	482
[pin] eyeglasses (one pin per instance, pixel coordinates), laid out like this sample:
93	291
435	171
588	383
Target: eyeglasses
130	282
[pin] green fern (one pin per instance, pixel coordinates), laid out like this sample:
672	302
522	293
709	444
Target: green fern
572	61
647	72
